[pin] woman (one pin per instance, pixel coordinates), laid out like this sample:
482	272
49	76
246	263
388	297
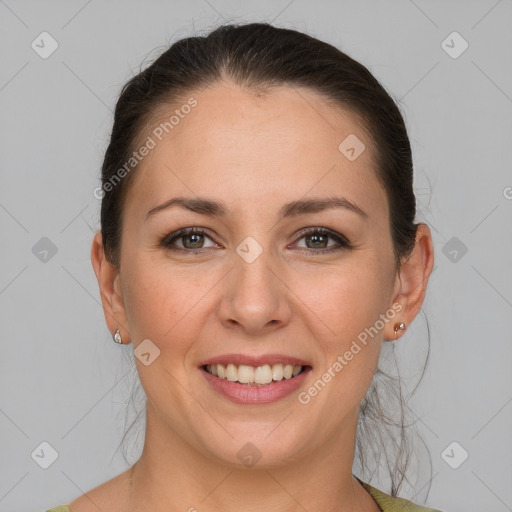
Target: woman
257	246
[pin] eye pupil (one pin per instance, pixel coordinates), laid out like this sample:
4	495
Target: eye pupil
317	239
196	237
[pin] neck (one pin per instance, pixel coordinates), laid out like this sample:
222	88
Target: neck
171	473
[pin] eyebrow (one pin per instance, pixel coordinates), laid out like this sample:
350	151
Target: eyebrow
212	208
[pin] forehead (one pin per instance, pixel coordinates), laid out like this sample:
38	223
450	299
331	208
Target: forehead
287	117
284	140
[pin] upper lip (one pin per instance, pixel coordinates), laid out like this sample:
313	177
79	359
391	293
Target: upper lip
270	359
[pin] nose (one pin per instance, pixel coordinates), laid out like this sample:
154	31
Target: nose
256	299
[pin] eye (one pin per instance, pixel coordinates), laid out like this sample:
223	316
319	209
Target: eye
190	238
318	240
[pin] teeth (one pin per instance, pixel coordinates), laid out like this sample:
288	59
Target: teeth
263	374
249	375
245	374
231	373
277	372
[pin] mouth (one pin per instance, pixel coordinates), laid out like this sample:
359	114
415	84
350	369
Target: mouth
255	376
255	380
249	379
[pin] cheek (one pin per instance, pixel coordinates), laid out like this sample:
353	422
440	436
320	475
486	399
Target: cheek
347	299
161	300
344	312
350	355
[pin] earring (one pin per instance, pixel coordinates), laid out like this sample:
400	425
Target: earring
117	337
399	327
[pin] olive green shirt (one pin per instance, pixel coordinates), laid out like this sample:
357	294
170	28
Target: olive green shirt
386	502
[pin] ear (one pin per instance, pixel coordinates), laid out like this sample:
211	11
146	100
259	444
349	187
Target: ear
411	282
110	290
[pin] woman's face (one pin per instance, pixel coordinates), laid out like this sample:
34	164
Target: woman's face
260	281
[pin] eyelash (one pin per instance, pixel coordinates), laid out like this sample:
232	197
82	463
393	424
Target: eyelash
340	239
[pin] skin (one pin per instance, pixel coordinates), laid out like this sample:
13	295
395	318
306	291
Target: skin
254	152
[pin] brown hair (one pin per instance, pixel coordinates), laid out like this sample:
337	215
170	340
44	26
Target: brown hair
259	56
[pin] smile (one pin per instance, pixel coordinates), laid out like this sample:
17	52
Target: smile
250	375
255	385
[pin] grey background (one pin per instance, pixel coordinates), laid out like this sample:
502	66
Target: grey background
65	382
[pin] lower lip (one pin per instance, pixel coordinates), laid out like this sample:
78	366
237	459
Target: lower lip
246	394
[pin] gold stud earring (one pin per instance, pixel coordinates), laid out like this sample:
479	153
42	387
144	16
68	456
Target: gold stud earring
399	327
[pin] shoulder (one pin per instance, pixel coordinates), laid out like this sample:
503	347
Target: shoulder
110	495
389	503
